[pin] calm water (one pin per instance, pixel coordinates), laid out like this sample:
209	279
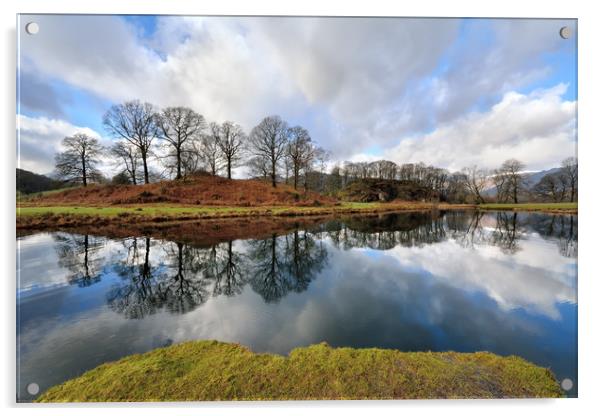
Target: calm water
460	281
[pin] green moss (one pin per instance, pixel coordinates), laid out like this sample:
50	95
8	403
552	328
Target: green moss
211	370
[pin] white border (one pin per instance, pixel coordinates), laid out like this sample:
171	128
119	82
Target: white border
590	113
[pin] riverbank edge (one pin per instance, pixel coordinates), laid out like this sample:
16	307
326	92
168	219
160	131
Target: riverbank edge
212	370
42	217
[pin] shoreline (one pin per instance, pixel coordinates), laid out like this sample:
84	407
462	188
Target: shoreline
34	217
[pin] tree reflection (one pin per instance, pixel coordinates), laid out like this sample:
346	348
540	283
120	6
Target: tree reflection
138	296
176	284
465	228
178	277
560	228
185	287
228	276
283	264
80	255
388	231
506	233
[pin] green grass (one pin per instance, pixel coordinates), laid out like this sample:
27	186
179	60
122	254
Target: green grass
114	211
557	206
155	210
41	216
27	197
211	370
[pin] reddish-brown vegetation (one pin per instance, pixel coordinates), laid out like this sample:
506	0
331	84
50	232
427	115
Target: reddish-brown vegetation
197	190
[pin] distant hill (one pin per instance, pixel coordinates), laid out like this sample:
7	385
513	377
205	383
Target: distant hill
530	180
29	182
201	189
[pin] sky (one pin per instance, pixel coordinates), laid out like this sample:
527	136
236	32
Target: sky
447	92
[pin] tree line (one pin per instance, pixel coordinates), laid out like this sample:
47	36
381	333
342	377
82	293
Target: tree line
470	184
184	143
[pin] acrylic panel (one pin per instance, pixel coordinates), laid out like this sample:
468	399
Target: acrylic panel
295	208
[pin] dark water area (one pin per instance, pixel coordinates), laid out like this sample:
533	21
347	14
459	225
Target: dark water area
462	281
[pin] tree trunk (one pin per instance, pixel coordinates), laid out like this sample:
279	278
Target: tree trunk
573	192
295	178
229	168
133	170
179	162
145	167
274	175
84	178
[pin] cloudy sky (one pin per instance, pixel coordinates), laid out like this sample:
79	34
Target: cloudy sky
448	92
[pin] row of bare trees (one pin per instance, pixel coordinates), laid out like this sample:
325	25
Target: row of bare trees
185	143
471	184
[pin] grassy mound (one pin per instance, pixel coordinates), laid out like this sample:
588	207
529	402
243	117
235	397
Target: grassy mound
195	190
211	370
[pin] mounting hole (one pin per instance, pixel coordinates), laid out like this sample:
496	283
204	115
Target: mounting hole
32	28
566	384
33	388
565	32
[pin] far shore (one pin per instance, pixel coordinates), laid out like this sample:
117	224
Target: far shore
30	216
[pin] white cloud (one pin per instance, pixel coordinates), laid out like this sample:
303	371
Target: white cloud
527	279
538	128
40	139
354	83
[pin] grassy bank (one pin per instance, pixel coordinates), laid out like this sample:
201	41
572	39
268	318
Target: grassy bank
210	370
557	207
37	217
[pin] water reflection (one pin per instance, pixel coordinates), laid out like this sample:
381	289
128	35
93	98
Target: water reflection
285	264
79	253
503	282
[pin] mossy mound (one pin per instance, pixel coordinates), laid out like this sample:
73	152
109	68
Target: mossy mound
211	370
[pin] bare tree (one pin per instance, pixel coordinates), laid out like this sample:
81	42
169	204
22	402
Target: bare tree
229	138
127	155
210	152
259	167
570	170
512	171
299	151
552	186
501	185
475	182
268	140
192	156
78	162
135	122
321	157
177	125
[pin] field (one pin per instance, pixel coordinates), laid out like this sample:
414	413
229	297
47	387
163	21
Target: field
211	370
39	217
556	207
